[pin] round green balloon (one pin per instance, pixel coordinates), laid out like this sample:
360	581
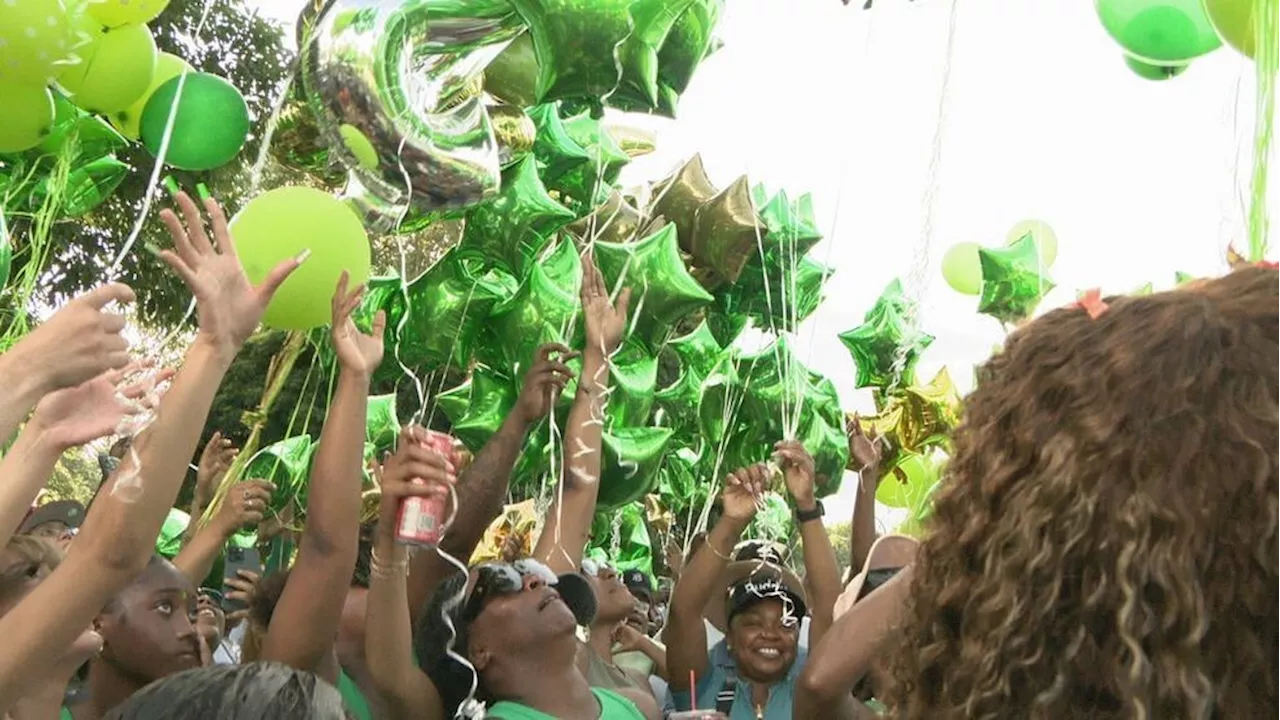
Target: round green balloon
286	222
36	37
365	153
129	120
1147	71
115	13
1045	238
211	125
962	269
115	68
1160	32
27	116
1233	19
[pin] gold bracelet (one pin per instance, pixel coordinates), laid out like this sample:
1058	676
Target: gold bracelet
717	552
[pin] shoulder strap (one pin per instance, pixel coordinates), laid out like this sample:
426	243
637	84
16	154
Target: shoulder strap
728	693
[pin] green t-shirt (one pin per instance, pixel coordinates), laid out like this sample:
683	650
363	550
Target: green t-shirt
353	698
612	707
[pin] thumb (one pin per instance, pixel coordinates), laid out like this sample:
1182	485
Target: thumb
98	297
279	274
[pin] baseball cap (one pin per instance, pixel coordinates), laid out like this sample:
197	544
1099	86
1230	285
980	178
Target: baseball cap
889	552
638	583
67	512
750	581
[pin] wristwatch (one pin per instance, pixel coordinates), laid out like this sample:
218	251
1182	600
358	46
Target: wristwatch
806	515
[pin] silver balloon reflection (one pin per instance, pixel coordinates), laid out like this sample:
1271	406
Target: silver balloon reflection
393	86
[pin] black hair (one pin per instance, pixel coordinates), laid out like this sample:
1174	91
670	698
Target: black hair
255	691
431	643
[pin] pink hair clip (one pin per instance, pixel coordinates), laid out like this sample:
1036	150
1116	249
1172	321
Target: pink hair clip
1091	302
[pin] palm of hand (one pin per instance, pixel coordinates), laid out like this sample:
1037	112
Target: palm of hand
864	450
80	414
226	302
604	324
356	350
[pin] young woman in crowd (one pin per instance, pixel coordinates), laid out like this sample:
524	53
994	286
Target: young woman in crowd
752	673
1104	541
255	691
116	543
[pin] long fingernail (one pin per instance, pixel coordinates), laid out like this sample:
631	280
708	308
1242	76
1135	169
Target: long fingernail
203	191
302	256
171	185
151	248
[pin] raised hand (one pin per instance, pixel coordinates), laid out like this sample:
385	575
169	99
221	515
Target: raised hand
412	461
544	382
742	488
357	352
245	505
80	342
240	589
797	470
215	460
605	321
228	305
864	447
77	415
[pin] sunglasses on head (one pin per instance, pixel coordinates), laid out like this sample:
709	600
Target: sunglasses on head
876	578
215	596
495	579
594	568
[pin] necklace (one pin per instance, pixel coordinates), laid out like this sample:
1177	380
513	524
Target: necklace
759	712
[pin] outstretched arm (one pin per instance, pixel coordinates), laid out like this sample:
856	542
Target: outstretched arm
567	525
118	537
310	608
820	567
244	506
388	631
865	449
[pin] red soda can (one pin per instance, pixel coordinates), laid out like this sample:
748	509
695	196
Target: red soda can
421	519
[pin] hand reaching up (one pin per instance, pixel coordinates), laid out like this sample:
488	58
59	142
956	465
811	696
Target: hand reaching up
798	470
215	460
411	461
543	382
228	306
80	342
742	489
76	415
606	322
357	352
863	446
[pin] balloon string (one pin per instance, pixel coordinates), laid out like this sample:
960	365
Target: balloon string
918	276
1265	44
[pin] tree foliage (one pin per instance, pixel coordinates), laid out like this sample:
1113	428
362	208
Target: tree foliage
839	534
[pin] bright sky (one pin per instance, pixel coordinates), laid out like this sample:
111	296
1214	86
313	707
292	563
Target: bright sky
1041	119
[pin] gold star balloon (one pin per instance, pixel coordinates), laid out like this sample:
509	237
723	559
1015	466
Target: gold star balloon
929	413
726	231
678	197
613	221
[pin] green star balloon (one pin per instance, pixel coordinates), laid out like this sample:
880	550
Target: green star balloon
556	152
632	457
680	486
381	424
574	41
1013	280
286	463
637	56
790	225
688	43
887	337
448	306
454	401
634	376
590	182
678	197
727	232
86	186
621	539
688	359
516	225
663	292
544	309
614	221
793	293
490	398
725	325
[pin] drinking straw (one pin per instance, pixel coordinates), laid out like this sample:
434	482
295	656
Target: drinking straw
693	693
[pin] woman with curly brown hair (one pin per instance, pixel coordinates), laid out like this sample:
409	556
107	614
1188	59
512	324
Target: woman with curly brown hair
1104	544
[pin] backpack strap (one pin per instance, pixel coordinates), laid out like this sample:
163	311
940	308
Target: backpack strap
728	693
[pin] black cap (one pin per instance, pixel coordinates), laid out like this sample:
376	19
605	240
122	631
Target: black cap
67	512
638	583
753	581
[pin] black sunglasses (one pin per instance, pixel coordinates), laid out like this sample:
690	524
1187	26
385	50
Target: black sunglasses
876	578
215	595
495	579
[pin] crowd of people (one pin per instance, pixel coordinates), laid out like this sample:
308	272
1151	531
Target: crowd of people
1103	543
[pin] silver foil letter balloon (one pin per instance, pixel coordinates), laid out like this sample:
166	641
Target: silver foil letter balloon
392	84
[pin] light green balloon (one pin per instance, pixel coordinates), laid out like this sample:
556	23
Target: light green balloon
1234	21
284	223
27	116
1045	238
962	269
168	66
115	13
366	155
908	484
116	68
36	37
